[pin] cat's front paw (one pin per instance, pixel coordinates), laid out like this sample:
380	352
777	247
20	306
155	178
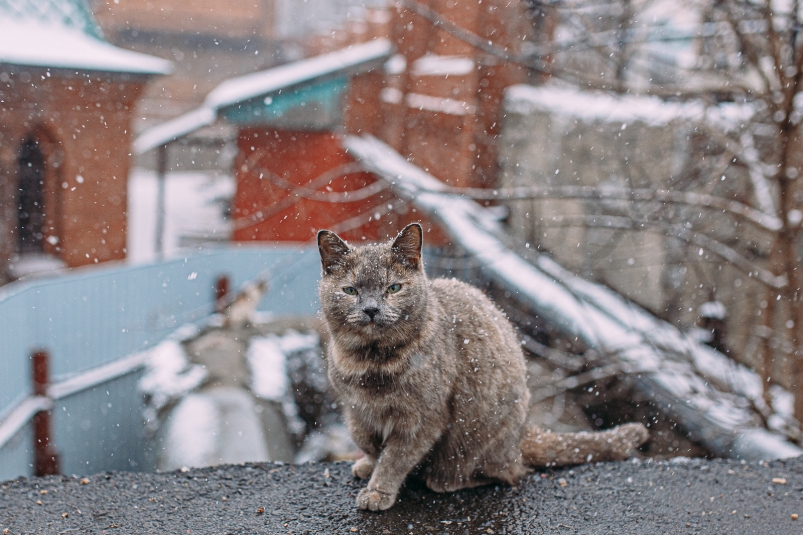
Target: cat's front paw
375	500
363	468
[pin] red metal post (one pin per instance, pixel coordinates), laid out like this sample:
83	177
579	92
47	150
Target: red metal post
221	292
46	460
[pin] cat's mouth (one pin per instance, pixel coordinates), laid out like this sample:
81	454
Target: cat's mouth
373	323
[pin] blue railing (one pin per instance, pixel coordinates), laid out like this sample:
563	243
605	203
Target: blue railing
94	316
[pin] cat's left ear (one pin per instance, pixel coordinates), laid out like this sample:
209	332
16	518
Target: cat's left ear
332	249
407	245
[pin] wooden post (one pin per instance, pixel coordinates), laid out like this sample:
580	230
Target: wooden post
221	292
161	177
46	460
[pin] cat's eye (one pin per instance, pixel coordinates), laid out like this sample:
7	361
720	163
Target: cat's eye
393	288
351	290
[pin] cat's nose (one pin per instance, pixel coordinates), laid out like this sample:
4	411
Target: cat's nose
371	311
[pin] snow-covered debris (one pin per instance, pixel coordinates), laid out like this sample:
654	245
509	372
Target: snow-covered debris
168	376
268	365
243	307
331	443
695	385
268	360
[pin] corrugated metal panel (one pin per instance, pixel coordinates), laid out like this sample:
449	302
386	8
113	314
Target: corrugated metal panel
101	429
98	315
95	316
16	457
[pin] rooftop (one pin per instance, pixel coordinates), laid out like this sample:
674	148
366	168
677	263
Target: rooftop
272	92
678	496
63	34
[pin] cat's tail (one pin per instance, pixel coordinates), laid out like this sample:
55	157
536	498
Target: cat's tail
545	448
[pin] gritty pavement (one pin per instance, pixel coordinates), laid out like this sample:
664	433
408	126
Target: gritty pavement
696	496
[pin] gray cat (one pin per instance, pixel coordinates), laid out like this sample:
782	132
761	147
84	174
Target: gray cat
432	378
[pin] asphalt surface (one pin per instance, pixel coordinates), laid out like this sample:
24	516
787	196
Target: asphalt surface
646	497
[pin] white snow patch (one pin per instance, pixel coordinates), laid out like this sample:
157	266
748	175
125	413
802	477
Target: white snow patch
169	374
712	309
592	106
391	95
268	365
192	433
267	360
216	426
448	106
397	64
434	65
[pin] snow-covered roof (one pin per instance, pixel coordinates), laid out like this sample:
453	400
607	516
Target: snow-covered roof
173	129
62	34
593	106
674	370
260	85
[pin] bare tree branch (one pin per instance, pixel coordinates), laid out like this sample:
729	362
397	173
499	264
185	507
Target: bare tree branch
538	66
699	239
690	198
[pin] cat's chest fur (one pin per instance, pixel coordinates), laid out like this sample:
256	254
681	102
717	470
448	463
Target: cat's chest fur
390	380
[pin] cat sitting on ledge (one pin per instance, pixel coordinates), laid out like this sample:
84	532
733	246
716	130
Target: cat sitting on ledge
432	378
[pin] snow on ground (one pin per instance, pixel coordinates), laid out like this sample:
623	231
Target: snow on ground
267	358
195	203
216	426
191	435
168	376
322	443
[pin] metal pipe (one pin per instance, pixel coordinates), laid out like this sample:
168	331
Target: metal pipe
221	292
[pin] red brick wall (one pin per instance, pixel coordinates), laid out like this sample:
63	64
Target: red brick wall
301	157
83	126
459	150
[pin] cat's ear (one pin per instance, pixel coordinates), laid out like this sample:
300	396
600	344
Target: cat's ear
333	250
407	245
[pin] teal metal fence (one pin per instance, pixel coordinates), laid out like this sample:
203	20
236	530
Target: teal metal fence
95	316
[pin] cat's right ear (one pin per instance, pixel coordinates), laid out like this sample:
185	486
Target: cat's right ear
333	251
407	245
